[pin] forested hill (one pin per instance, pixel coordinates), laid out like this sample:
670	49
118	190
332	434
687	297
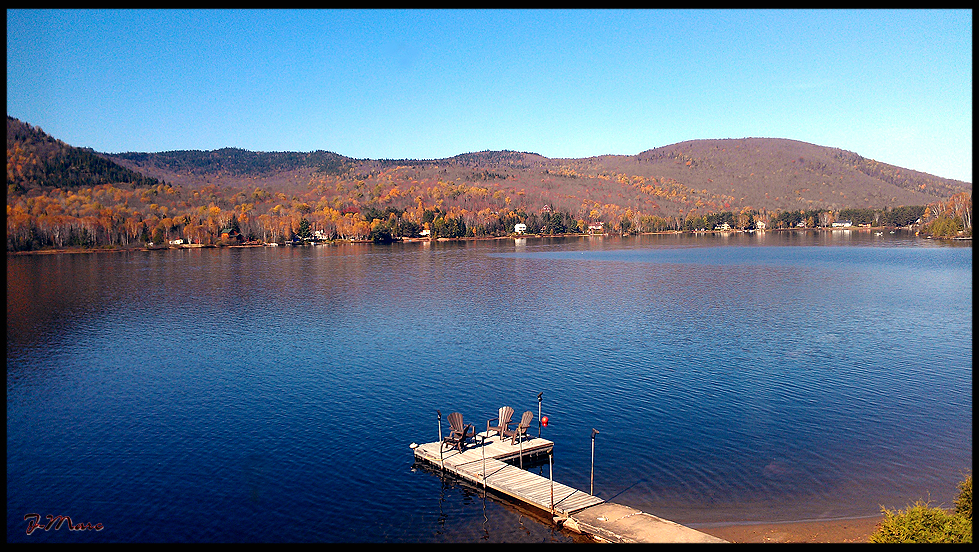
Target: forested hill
57	193
706	175
236	162
35	159
798	173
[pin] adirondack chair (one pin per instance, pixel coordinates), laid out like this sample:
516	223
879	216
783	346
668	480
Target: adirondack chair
521	431
458	432
502	422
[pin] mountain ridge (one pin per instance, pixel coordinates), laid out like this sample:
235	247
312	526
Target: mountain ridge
704	175
792	173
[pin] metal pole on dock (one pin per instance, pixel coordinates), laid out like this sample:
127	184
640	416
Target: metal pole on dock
540	397
441	459
550	470
591	489
483	447
520	440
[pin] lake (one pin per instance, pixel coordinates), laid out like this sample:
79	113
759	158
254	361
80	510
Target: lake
271	394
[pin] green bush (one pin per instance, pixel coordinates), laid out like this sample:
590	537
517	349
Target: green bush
944	227
924	523
963	502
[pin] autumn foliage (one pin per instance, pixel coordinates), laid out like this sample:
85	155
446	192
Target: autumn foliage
61	196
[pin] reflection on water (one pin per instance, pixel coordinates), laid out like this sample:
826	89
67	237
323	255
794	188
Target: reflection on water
271	394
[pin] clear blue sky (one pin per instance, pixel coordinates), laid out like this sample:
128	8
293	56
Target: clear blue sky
895	86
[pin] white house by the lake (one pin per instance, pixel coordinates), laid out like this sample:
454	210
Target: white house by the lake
519	228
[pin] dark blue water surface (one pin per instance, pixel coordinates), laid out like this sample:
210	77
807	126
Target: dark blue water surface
271	394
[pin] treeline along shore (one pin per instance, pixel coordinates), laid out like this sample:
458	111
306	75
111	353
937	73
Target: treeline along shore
334	242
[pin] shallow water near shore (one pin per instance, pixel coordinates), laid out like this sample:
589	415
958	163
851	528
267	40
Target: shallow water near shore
271	394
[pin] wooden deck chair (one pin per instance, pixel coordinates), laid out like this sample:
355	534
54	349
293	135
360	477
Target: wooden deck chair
502	422
458	432
521	431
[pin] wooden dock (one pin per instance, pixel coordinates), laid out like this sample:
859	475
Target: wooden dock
493	463
485	464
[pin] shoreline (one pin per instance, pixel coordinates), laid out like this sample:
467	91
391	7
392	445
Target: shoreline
469	238
848	530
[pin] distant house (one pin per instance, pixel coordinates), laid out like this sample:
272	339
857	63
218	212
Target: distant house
230	234
842	224
177	241
723	226
425	233
596	227
760	224
519	228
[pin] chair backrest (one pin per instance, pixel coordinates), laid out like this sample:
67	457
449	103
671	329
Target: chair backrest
506	413
455	420
528	417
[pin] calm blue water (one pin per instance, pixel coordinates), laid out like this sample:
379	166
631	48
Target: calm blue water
271	394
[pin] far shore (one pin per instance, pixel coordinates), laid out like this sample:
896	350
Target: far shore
477	238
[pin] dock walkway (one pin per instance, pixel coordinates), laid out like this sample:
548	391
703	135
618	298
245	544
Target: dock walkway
484	461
